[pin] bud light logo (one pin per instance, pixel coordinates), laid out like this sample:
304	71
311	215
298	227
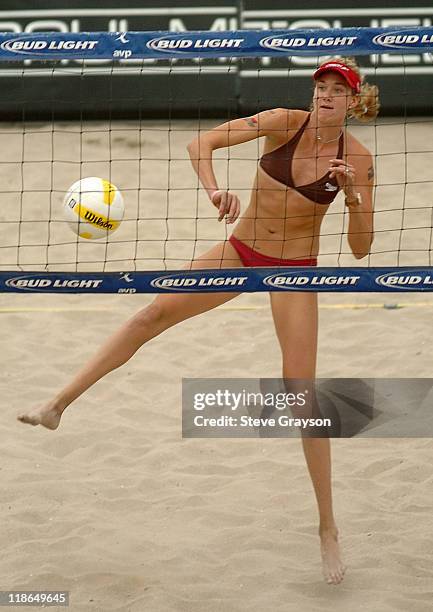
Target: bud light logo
306	282
42	45
402	39
53	283
280	43
308	44
176	283
183	282
414	280
181	44
28	282
167	44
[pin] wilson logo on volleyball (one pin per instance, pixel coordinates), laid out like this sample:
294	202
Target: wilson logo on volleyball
414	280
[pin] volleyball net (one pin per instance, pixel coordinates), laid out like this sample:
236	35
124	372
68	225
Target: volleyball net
168	219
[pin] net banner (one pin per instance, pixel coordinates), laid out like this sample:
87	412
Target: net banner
240	43
162	216
66	18
245	280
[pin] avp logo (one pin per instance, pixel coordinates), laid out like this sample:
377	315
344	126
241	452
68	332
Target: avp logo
414	280
122	53
42	45
122	38
125	276
181	282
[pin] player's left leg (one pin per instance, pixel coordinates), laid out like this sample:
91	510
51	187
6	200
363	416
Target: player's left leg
296	324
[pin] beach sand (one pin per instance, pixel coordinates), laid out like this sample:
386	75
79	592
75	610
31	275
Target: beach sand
115	506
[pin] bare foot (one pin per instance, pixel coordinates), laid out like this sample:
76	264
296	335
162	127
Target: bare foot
333	567
49	416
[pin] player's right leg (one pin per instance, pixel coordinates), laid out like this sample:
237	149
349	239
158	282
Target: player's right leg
165	311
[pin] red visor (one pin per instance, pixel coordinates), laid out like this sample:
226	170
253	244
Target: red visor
349	75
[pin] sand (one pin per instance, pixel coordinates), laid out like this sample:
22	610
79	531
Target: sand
121	511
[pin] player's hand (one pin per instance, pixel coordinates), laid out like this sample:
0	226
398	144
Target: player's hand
228	205
344	174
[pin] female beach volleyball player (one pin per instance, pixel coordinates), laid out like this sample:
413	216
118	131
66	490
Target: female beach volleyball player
308	157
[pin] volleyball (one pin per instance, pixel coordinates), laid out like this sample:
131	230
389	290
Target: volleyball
93	208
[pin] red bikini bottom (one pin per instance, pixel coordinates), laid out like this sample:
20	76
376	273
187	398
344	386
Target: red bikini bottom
251	258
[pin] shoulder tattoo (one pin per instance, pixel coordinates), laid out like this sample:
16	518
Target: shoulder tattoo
370	173
251	121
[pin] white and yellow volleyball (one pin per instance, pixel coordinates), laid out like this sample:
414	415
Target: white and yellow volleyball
93	207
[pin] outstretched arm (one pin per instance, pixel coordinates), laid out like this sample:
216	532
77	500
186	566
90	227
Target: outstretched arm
267	123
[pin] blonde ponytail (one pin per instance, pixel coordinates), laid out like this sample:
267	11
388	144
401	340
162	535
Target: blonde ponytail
368	104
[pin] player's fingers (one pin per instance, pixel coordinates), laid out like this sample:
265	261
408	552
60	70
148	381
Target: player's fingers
221	212
339	163
349	172
222	206
231	204
334	170
238	209
338	169
233	211
226	201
